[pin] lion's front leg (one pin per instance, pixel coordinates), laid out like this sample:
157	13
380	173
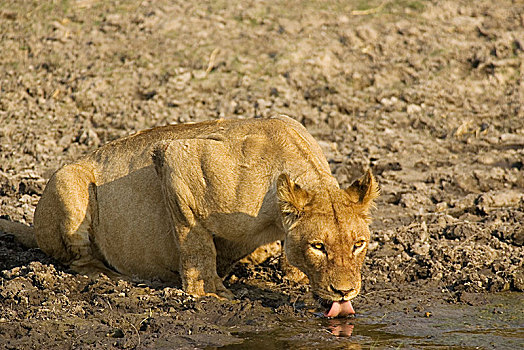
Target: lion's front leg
183	187
198	263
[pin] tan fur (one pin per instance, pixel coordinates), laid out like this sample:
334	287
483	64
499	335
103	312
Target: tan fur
23	233
190	200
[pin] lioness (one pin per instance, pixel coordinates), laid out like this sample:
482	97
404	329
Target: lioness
181	200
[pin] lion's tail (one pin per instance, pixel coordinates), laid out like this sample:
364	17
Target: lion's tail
24	234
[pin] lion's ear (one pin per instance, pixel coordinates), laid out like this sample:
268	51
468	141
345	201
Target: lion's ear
364	191
292	199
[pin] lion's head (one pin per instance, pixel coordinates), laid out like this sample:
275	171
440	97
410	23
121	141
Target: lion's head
327	236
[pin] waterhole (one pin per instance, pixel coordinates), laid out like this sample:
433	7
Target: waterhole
497	324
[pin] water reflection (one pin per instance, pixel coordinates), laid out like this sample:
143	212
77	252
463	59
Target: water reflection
340	327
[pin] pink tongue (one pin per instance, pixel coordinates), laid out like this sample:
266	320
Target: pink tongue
340	308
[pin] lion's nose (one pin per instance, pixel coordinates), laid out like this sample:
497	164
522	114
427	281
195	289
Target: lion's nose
343	292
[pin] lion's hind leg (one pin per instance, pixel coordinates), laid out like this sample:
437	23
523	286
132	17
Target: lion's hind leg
64	220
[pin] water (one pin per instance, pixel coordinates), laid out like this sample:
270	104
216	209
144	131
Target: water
499	324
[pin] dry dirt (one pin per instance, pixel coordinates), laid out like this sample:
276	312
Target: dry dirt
429	94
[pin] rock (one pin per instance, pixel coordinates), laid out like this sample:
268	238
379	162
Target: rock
421	249
388	102
442	206
497	199
413	109
88	137
415	200
31	186
518	236
367	33
518	279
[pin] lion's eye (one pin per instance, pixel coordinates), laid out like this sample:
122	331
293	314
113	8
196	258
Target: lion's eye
318	246
359	244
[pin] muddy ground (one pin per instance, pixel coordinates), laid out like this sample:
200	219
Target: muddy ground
428	94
